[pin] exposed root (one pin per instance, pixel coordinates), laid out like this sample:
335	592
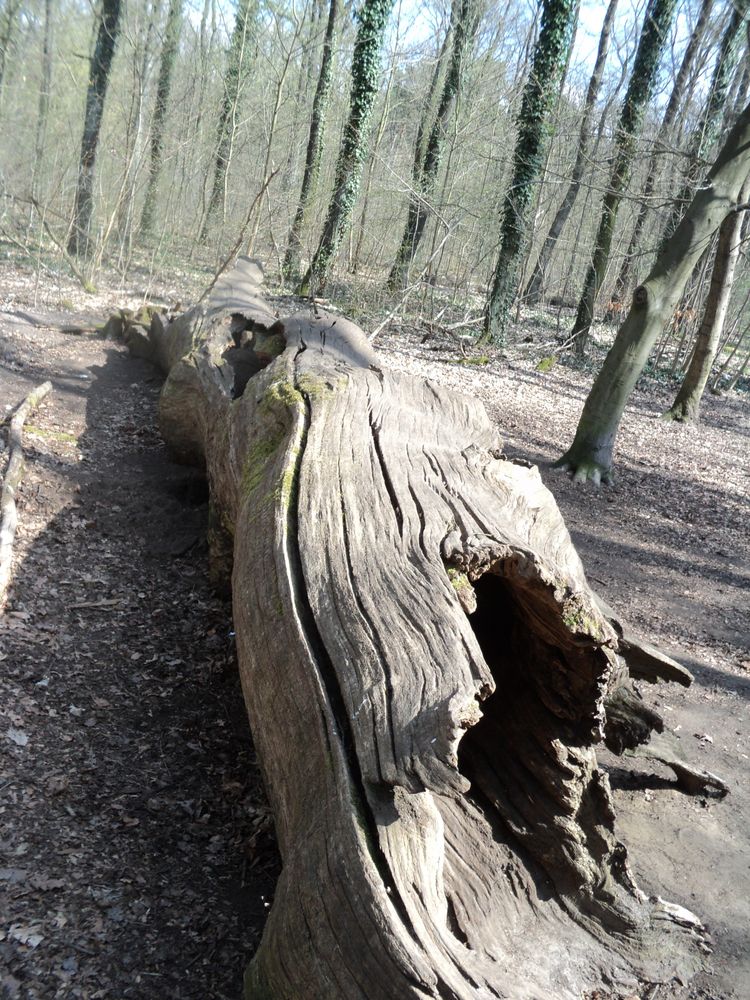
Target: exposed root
693	780
584	471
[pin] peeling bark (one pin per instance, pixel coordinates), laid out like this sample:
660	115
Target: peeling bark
426	670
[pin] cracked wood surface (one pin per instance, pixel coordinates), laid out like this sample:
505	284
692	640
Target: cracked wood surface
427	674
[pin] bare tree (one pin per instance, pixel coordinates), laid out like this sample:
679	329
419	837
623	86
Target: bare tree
550	58
158	121
226	126
657	21
590	455
101	62
373	18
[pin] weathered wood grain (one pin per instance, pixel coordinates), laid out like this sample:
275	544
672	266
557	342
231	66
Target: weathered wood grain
427	674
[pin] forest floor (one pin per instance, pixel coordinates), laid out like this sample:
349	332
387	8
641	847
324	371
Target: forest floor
137	857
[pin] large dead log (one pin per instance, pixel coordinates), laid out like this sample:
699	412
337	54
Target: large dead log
427	674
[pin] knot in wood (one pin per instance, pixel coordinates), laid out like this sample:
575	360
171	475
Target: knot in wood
640	296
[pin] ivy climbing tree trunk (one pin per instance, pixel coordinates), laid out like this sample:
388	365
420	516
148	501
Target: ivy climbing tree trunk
373	18
535	287
657	21
590	455
314	143
163	88
79	241
226	127
427	156
676	99
439	840
550	58
687	403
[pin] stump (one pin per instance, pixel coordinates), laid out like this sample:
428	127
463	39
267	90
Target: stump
427	674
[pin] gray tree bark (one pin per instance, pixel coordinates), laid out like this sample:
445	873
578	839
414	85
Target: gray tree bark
439	840
535	287
590	455
686	406
79	241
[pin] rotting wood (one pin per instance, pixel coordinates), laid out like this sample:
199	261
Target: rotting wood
427	673
11	482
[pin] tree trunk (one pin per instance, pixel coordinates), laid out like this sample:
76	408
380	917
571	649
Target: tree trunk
550	57
10	13
590	455
675	100
373	18
45	92
439	840
314	143
688	400
708	129
163	87
535	287
464	21
226	126
655	31
101	63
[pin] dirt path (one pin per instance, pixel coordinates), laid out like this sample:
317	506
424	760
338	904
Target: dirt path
135	850
136	857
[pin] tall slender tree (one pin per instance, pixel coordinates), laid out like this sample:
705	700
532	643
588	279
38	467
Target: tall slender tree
676	99
590	455
45	92
225	129
163	88
314	142
658	18
535	287
427	153
79	241
550	58
373	18
687	403
708	128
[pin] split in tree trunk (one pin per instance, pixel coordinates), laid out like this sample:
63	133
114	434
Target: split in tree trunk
427	674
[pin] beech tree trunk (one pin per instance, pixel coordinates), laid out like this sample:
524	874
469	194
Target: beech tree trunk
373	19
590	455
314	143
226	126
464	21
535	287
688	400
676	99
101	63
163	88
427	674
550	58
656	24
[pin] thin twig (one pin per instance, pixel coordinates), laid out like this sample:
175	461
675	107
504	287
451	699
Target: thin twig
407	291
241	238
11	481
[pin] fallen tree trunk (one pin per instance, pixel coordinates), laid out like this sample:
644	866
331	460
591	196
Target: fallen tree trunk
426	670
10	482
